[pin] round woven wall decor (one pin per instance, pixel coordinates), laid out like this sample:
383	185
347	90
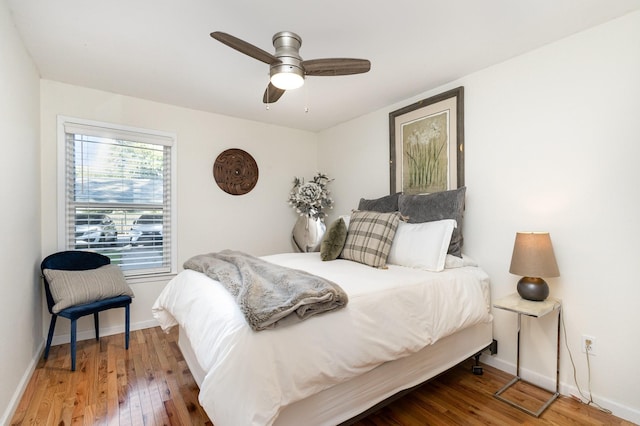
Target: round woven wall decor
235	171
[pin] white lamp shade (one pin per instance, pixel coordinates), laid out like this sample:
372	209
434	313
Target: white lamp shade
287	80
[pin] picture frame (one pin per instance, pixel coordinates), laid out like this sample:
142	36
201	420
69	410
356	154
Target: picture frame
426	144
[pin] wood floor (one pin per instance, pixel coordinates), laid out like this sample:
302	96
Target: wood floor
150	384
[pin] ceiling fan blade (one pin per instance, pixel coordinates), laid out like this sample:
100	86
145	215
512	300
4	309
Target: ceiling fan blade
335	66
272	94
244	47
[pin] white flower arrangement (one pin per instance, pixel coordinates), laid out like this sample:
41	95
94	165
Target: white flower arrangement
311	198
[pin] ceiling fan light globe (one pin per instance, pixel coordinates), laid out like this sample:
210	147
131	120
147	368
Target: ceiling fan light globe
287	80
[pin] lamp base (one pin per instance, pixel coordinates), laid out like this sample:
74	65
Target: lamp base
531	288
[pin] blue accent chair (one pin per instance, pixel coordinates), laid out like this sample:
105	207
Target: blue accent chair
80	261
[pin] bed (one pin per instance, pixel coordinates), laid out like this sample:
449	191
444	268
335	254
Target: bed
310	355
402	325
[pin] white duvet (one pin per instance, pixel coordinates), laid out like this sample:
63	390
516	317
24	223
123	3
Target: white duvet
252	375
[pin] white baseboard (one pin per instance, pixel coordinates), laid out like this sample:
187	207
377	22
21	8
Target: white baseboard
57	340
545	382
22	385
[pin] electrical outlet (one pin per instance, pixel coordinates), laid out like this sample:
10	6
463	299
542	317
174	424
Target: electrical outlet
588	344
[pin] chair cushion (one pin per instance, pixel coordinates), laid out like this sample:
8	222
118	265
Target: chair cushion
77	311
70	288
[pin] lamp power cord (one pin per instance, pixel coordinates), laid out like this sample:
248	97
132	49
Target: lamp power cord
582	398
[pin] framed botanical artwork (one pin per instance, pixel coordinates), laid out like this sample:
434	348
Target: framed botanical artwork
427	144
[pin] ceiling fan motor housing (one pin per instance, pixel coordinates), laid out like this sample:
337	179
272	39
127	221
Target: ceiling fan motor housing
287	46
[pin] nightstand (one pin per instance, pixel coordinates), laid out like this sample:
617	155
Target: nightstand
520	306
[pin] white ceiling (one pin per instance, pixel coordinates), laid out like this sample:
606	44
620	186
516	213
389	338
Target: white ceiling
161	49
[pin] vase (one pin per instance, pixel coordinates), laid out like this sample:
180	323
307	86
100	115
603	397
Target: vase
307	234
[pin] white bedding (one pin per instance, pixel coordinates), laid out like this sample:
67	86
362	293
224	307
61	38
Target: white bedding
251	375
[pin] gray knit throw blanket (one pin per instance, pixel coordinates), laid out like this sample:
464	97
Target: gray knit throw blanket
269	295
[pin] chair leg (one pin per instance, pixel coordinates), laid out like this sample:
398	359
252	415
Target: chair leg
127	317
73	345
52	326
96	322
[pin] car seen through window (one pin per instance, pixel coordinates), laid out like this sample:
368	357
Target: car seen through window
147	230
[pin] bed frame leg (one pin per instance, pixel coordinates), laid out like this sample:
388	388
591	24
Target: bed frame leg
477	369
493	349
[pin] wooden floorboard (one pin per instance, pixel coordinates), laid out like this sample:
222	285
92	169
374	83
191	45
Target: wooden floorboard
150	384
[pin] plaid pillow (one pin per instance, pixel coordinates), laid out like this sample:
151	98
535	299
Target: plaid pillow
369	237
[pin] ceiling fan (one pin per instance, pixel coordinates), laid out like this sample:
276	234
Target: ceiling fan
287	69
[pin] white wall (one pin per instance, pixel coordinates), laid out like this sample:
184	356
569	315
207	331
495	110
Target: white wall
551	144
209	219
20	321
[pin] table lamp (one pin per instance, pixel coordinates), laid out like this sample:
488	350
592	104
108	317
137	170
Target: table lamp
533	259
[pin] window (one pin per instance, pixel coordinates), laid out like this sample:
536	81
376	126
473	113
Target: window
118	185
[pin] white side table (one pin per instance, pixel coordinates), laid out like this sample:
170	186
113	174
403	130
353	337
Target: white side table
520	306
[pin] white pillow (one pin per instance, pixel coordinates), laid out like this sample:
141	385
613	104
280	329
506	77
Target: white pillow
458	262
346	219
422	245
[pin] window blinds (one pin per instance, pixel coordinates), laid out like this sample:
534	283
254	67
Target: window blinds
118	195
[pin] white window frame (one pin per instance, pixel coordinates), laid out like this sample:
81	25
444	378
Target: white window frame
113	130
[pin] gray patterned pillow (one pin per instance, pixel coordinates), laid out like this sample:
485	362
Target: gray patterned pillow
70	288
369	237
386	204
